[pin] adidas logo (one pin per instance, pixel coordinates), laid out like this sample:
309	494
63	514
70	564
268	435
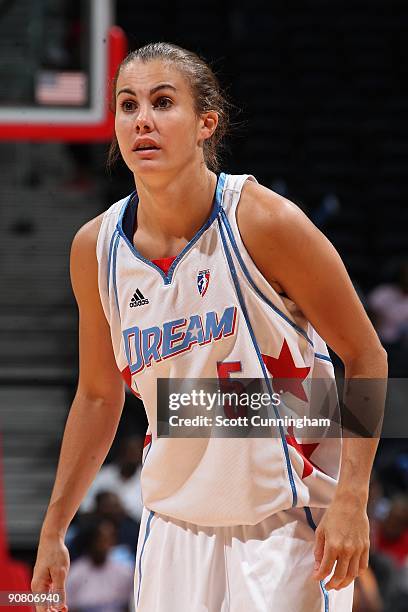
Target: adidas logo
138	299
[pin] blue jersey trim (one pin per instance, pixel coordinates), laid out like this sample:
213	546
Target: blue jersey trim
312	524
114	254
252	283
167	278
110	257
147	533
122	210
325	595
323	357
309	518
261	362
220	188
129	217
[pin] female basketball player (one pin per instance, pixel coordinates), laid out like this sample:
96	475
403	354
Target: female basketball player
200	274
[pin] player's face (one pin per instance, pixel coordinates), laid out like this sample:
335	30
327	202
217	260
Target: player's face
156	124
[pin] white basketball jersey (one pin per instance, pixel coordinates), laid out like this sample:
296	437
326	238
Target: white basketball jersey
213	306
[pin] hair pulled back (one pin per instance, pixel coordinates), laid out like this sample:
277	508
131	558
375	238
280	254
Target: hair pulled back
205	89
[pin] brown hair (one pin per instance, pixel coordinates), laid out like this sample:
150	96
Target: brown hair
205	89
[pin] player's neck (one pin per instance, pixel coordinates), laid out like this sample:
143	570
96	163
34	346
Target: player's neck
176	207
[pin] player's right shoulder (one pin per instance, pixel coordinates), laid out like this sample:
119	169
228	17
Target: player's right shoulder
87	235
83	262
83	250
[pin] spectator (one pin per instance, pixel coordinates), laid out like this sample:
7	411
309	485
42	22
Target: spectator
121	477
388	308
108	505
96	582
392	536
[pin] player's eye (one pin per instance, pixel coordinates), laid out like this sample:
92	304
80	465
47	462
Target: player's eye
163	102
128	106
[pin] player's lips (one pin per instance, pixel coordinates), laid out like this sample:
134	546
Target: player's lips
145	144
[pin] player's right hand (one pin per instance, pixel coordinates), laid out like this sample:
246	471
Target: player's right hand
51	570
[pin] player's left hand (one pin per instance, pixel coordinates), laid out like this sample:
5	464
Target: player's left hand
342	537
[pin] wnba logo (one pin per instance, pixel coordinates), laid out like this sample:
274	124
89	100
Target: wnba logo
203	280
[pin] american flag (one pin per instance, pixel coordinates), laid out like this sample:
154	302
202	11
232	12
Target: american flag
61	87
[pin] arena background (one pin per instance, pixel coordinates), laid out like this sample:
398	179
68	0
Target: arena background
320	115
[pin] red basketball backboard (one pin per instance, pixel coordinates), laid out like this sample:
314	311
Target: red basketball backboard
61	97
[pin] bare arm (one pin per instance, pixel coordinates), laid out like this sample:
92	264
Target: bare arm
93	418
295	256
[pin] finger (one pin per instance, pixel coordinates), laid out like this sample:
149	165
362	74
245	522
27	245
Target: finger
58	576
48	605
342	566
41	585
57	607
326	565
318	549
352	572
363	565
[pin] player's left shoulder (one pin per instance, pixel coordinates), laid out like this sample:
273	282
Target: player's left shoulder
264	212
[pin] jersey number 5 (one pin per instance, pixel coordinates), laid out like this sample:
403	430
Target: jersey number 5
229	385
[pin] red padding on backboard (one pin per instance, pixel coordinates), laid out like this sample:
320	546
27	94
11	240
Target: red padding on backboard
103	131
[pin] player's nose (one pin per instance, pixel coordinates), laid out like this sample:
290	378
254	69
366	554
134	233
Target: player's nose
143	121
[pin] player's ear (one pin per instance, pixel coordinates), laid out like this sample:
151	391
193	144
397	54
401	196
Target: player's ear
207	124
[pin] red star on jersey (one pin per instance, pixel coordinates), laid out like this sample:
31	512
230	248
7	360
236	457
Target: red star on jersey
147	440
305	450
285	375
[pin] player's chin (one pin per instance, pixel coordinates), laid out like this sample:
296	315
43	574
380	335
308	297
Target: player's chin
147	166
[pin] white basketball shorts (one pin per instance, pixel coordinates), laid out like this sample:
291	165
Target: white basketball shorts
181	567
